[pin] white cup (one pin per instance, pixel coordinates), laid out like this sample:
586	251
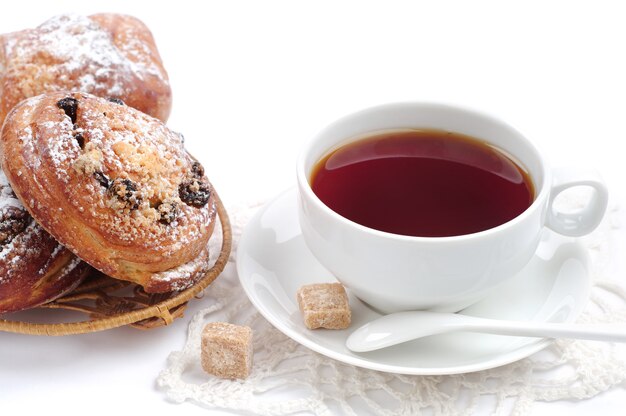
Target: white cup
394	272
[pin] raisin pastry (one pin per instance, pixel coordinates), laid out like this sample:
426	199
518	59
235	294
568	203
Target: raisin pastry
34	267
112	184
109	55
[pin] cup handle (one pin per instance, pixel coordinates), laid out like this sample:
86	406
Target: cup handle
585	220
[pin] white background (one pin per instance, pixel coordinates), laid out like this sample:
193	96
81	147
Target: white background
252	80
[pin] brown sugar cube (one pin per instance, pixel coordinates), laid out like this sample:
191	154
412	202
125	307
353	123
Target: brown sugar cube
324	305
226	350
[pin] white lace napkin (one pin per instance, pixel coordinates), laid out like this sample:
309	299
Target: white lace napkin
288	378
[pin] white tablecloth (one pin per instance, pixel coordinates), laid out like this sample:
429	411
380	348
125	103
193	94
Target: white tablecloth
253	80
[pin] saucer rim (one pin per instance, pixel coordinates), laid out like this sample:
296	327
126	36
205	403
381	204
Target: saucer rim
494	361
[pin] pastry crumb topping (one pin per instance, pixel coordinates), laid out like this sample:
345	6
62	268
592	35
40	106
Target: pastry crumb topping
89	162
126	192
168	211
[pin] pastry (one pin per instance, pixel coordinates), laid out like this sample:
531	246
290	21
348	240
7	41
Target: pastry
109	55
34	267
113	185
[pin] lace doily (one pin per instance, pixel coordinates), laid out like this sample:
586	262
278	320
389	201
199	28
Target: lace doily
288	378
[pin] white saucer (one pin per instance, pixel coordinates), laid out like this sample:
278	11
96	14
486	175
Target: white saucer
273	262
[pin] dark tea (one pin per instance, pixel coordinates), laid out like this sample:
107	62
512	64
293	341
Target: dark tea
426	183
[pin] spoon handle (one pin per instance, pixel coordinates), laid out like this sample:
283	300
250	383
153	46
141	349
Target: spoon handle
400	327
594	332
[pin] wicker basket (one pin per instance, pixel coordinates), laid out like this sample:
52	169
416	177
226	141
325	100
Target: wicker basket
110	303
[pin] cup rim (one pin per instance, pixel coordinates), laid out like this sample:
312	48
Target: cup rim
305	186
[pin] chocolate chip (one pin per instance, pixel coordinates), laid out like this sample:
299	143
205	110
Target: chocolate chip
69	105
194	192
197	170
168	211
182	138
80	139
126	191
102	179
12	222
116	100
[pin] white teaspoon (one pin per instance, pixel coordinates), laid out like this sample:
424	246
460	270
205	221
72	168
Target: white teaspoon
400	327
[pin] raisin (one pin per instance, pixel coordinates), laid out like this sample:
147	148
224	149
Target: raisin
126	191
197	170
116	100
195	193
102	179
12	222
80	139
168	211
69	105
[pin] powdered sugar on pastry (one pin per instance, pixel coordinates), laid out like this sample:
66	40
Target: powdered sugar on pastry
108	55
183	276
81	46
